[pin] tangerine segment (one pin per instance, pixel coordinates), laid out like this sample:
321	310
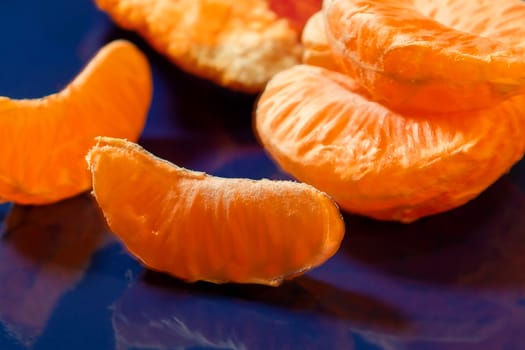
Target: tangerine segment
238	44
316	50
431	55
321	127
44	140
199	227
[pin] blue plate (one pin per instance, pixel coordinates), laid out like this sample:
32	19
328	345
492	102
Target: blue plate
451	281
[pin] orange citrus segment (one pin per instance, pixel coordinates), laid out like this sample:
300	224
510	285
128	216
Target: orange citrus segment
321	127
316	50
238	44
431	55
44	140
199	227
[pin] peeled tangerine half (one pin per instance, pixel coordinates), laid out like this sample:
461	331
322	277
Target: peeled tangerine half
199	227
239	44
430	55
43	141
322	128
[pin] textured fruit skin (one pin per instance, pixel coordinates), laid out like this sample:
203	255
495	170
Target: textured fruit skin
199	227
236	44
430	55
321	127
43	141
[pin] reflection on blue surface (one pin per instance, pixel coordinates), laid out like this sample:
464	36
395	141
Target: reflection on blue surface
45	253
4	209
453	281
87	307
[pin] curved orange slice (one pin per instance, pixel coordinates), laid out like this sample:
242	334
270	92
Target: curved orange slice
321	127
44	140
237	44
431	55
200	227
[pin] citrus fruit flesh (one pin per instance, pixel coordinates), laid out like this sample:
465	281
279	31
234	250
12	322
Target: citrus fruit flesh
196	226
316	50
430	55
43	141
322	127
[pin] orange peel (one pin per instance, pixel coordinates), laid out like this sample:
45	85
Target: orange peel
236	44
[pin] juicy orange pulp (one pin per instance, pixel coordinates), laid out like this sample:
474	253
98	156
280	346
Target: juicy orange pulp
199	227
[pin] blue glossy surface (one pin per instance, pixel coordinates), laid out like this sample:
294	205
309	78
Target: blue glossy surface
453	281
